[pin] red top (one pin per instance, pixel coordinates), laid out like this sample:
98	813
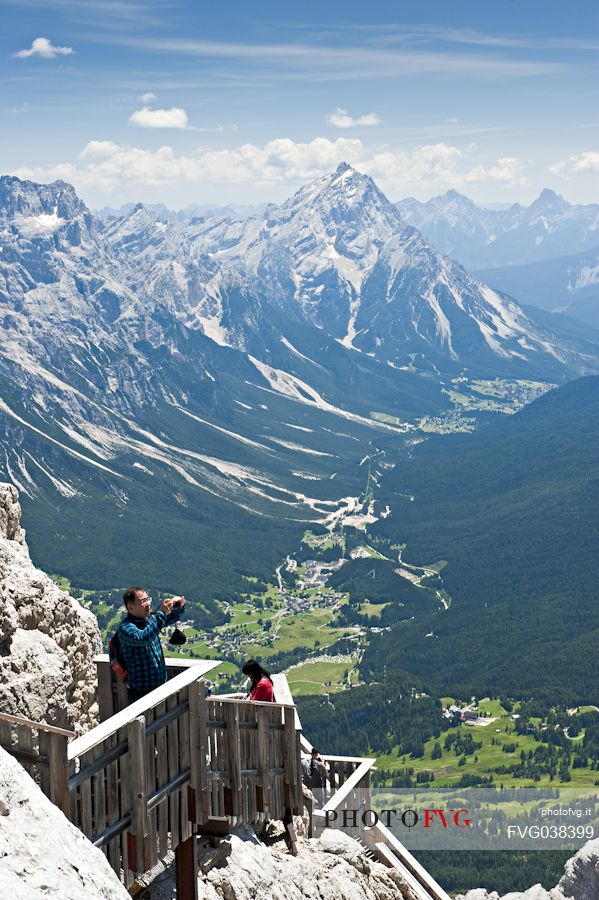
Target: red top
263	691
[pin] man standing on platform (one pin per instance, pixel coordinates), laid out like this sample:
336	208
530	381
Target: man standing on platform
139	638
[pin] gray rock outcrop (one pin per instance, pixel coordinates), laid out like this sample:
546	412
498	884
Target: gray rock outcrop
47	639
580	881
332	867
42	854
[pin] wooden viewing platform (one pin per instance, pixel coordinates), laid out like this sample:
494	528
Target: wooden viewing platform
177	763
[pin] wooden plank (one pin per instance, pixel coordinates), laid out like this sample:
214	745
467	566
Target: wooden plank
244	712
25	743
184	763
58	765
388	858
44	770
151	785
99	793
125	806
299	787
352	759
5	733
112	810
231	713
139	798
214	787
172	663
120	697
74	805
198	743
282	693
409	861
289	756
263	780
85	800
355	780
105	694
41	726
186	868
162	779
172	740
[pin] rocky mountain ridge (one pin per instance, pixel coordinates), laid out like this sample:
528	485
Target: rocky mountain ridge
247	363
47	640
488	238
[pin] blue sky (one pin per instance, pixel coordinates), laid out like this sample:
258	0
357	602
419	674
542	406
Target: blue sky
200	102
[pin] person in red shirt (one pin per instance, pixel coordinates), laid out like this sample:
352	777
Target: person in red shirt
261	682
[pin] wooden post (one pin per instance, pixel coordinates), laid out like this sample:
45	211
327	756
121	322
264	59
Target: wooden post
59	772
198	749
289	757
263	779
105	698
299	781
186	867
5	734
233	755
25	743
136	733
43	743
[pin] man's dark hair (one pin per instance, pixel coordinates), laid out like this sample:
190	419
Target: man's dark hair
129	595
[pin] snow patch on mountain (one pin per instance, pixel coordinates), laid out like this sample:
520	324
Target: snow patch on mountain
43	223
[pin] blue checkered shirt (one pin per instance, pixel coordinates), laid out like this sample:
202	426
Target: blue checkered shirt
142	650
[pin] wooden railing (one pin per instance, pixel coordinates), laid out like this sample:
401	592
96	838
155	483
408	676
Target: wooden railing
138	783
42	751
348	808
348	789
389	850
112	693
129	777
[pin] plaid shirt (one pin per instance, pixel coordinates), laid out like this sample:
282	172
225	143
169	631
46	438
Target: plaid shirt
142	650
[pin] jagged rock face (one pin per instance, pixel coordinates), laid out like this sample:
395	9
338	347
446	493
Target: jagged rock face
42	854
580	881
47	640
333	867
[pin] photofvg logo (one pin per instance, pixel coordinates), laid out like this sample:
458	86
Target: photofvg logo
407	818
474	818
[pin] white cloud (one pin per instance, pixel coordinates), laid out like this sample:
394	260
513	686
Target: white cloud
507	168
41	46
99	150
577	165
341	119
159	118
280	160
283	162
217	129
148	98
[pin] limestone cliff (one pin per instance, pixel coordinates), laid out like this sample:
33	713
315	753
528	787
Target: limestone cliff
42	854
580	881
47	639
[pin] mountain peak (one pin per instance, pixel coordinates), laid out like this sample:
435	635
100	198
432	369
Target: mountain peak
342	168
548	199
20	197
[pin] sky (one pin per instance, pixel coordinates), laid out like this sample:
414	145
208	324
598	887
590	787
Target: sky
240	103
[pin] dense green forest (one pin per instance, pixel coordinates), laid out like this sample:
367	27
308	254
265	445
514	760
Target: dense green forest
496	870
372	719
513	509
